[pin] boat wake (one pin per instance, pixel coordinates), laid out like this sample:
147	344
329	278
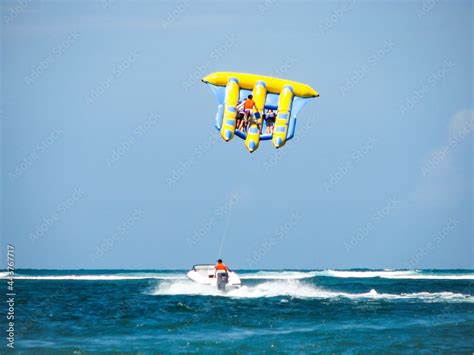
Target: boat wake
298	289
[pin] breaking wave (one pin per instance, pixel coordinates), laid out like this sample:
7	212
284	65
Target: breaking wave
245	275
279	275
394	274
103	277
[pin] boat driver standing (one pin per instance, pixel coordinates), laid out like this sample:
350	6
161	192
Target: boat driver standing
221	266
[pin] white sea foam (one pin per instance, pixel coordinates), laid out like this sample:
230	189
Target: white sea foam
298	289
388	274
393	274
279	275
104	277
259	275
269	275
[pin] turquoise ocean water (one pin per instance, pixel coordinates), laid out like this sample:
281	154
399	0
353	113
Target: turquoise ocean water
286	311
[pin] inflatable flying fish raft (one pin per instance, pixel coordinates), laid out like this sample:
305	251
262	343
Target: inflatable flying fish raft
285	97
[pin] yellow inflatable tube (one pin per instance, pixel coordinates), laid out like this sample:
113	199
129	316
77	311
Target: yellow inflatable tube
253	135
283	117
230	112
248	81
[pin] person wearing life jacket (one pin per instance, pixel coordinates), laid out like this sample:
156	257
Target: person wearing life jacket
269	118
248	105
240	116
220	266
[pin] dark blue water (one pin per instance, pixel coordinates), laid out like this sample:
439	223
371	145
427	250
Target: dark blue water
274	311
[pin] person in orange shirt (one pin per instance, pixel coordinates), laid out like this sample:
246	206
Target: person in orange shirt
248	105
221	266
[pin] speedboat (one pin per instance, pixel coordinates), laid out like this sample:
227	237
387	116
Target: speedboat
208	275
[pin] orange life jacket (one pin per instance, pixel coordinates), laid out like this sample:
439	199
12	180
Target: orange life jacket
221	267
248	104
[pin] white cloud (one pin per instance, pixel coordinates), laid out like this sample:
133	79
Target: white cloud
461	123
446	173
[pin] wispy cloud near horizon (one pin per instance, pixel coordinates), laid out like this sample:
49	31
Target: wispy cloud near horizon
446	172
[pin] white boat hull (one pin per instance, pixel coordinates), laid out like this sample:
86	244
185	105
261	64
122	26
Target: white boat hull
207	275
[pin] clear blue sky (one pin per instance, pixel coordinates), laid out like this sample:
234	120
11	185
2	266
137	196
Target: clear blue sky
110	158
